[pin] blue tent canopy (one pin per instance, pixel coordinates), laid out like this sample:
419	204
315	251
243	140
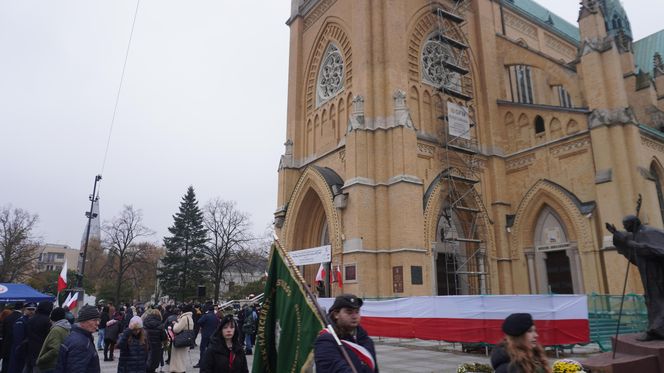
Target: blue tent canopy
10	293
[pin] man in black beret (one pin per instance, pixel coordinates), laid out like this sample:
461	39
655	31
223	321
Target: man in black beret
344	316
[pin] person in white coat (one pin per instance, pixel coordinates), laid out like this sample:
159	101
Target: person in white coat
179	354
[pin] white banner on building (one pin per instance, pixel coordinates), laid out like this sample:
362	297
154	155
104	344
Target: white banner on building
315	255
457	121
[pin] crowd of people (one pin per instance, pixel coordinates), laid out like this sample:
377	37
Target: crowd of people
41	338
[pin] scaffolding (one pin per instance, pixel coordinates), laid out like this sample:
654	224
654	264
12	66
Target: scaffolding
462	266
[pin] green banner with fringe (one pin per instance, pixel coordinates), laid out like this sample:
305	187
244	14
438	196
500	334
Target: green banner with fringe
288	324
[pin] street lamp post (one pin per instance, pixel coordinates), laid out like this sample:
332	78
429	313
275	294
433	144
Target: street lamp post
90	215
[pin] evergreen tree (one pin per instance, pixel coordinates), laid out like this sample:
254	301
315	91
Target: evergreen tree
183	267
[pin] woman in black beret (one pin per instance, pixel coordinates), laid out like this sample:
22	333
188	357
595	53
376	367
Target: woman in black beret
519	352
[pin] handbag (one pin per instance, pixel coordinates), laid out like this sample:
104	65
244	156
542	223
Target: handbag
184	338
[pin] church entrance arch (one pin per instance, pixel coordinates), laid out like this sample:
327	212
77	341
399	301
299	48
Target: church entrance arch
312	220
311	230
552	253
449	256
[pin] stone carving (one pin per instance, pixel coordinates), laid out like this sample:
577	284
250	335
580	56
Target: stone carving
520	163
559	46
623	42
331	74
287	160
434	54
605	117
317	12
656	116
658	64
570	147
425	150
652	144
521	25
356	120
401	113
600	45
342	156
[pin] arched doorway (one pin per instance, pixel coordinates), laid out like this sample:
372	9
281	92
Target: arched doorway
459	268
311	230
553	264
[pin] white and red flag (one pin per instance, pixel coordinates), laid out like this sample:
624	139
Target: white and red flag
71	302
560	319
337	273
62	279
320	276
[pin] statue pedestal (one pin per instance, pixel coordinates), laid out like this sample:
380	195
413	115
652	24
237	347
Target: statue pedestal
632	356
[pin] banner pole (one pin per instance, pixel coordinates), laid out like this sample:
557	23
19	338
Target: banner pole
313	300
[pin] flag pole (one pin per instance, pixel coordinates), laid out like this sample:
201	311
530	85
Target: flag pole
313	300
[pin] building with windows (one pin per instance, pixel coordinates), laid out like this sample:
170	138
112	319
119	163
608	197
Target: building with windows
52	258
469	147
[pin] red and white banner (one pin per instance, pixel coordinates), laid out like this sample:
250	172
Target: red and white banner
560	319
62	279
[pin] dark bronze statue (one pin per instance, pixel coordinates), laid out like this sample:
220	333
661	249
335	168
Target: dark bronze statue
643	246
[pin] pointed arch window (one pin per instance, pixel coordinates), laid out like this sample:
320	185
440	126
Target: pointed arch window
521	83
331	75
658	185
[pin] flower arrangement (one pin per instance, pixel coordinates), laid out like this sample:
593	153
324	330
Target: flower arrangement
567	366
474	368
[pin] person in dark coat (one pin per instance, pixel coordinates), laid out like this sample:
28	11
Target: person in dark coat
78	353
7	333
37	329
208	323
345	318
225	353
111	334
156	336
134	348
643	246
19	346
105	318
519	352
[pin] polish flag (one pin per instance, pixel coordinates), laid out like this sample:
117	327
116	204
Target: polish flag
66	301
62	279
339	278
320	276
560	319
72	301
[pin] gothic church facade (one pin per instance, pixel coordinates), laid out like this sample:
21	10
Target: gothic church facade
468	147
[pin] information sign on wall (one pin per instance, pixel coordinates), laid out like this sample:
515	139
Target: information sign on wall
457	121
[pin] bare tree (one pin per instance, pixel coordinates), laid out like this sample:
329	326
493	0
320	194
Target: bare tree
123	252
19	248
229	235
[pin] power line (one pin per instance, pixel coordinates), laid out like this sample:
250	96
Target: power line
117	96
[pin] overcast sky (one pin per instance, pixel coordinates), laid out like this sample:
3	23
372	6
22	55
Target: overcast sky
203	104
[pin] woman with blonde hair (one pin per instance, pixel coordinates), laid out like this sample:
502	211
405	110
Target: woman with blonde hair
519	352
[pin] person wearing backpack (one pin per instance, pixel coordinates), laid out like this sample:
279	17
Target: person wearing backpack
249	327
